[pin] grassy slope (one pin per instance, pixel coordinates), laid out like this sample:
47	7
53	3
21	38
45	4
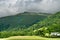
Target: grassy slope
30	38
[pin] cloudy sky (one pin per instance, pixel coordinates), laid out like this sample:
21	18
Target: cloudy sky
12	7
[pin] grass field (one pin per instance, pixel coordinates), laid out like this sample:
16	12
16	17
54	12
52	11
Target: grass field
29	38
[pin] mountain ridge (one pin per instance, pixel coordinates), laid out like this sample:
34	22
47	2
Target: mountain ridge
20	20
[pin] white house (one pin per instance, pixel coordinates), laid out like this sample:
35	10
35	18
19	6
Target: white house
55	34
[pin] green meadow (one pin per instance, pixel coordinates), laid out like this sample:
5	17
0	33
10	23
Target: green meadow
29	38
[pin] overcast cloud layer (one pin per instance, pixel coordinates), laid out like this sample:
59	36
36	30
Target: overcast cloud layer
12	7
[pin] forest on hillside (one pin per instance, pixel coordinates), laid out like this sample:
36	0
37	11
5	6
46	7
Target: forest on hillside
39	25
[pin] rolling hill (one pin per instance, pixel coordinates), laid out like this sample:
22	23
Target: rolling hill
49	25
21	21
30	24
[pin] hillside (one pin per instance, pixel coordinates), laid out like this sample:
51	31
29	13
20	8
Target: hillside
45	25
55	18
20	21
49	25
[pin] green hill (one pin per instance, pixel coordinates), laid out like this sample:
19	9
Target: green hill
20	21
49	25
55	18
30	24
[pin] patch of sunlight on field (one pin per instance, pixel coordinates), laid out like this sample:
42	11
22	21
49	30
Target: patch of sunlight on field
3	39
30	38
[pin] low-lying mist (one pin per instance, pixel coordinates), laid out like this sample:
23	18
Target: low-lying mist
12	7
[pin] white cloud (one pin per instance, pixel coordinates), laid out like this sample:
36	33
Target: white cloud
12	7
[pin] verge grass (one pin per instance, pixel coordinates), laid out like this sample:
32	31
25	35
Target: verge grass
28	38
